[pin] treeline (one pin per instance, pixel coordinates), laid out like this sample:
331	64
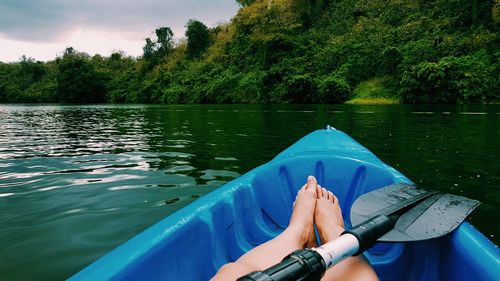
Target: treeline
289	51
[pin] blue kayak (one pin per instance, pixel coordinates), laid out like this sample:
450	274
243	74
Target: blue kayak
194	242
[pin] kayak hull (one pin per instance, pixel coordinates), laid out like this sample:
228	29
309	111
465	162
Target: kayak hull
194	242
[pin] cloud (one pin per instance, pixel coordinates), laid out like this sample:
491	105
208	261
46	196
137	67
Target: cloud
54	20
91	42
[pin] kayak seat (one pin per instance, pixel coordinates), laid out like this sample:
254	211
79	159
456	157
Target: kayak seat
276	186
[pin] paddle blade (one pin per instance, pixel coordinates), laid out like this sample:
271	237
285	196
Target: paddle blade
424	214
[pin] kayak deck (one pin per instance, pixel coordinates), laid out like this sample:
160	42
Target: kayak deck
194	242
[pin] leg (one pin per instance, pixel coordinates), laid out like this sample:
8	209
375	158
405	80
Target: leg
298	234
330	224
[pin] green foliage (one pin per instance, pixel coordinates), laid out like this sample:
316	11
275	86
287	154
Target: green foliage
376	87
373	101
245	2
149	49
391	59
221	88
333	90
164	42
450	80
121	77
495	12
156	52
198	38
309	9
290	51
175	94
9	89
30	71
250	88
300	89
78	82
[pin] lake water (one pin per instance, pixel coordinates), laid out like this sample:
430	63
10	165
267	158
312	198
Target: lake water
76	181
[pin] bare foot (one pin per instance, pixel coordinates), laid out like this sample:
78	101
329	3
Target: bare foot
327	215
330	224
302	219
298	234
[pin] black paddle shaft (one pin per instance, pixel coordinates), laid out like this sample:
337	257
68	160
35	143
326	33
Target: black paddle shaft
368	232
305	265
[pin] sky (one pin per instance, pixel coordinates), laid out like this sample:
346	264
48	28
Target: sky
42	29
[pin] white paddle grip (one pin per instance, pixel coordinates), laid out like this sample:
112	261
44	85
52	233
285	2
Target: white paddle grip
337	250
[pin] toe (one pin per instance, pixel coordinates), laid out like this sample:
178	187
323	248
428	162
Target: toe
311	186
311	182
331	196
324	192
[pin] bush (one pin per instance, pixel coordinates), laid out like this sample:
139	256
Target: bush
249	88
451	79
41	91
333	90
391	58
300	89
222	88
377	87
175	94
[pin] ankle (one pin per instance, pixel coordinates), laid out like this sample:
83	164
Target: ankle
333	233
297	233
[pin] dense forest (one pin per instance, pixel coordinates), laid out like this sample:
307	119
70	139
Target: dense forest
289	51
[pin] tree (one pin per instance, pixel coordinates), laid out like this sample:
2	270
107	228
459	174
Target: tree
156	51
308	9
198	38
164	42
77	80
30	71
69	51
244	3
149	49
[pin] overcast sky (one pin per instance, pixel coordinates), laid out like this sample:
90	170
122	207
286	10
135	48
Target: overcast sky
42	29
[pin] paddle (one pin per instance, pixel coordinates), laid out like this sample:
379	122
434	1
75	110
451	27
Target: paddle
395	213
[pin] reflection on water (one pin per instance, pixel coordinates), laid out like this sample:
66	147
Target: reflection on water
76	181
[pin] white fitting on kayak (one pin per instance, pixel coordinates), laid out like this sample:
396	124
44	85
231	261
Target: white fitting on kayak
339	249
330	128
